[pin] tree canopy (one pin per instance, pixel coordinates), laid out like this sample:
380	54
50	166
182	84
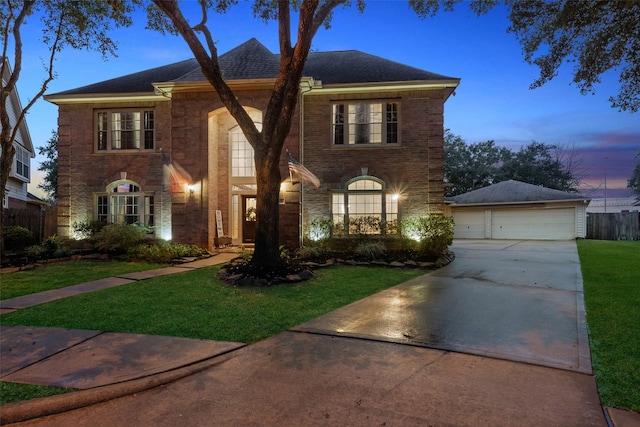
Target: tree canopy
49	166
634	182
78	24
596	36
472	166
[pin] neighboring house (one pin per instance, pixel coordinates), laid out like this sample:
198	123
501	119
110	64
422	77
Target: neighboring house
613	205
517	210
370	129
20	175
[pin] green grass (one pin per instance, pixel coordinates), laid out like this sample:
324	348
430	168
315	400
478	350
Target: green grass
59	275
16	392
611	274
197	304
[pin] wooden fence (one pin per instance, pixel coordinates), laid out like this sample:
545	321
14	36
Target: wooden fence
42	222
613	226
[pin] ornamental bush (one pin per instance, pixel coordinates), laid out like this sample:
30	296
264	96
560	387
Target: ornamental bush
434	233
118	239
163	252
16	238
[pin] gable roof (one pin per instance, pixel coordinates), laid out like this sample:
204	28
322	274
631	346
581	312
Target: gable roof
252	60
513	192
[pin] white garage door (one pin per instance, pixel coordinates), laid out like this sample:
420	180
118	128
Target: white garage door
468	225
534	224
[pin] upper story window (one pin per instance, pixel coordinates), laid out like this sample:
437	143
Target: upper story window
365	123
242	155
125	130
22	161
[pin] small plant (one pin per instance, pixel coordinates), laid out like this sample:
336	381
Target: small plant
16	238
310	253
370	250
35	252
245	253
52	244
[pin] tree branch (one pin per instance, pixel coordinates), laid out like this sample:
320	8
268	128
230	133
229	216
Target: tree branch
210	67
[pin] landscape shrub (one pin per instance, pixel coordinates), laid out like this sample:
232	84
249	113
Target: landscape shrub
86	229
162	252
319	229
370	250
434	232
119	238
312	253
16	238
54	247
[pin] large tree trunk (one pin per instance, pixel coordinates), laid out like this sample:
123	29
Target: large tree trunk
268	143
267	249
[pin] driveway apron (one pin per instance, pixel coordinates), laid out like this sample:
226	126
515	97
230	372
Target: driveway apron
514	300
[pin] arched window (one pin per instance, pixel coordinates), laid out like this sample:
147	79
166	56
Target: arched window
124	203
365	208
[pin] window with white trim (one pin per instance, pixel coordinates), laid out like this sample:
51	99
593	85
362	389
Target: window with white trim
22	162
242	158
365	208
372	123
125	203
125	130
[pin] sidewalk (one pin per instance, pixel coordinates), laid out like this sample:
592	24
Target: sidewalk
471	344
13	304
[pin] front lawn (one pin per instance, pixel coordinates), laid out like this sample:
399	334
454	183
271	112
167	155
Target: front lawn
59	275
611	274
197	304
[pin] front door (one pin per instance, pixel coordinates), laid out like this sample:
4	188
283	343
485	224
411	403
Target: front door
248	219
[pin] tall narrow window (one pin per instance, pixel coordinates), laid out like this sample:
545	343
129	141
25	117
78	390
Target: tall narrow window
22	162
338	123
242	161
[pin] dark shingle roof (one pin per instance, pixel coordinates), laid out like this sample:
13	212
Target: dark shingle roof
137	82
513	192
352	66
252	60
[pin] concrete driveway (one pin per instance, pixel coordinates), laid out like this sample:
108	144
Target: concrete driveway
514	300
444	349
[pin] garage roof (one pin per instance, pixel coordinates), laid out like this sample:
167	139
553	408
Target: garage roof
513	192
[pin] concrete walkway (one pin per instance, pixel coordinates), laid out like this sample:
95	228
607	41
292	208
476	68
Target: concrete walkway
498	337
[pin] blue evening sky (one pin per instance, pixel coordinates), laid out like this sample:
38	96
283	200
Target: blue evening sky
493	101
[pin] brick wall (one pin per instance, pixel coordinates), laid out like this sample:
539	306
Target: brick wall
83	171
414	168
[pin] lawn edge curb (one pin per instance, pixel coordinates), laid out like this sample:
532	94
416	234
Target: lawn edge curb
16	412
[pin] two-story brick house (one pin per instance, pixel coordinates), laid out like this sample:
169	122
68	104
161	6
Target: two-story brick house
370	129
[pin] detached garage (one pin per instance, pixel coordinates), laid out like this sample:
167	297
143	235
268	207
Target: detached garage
517	210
